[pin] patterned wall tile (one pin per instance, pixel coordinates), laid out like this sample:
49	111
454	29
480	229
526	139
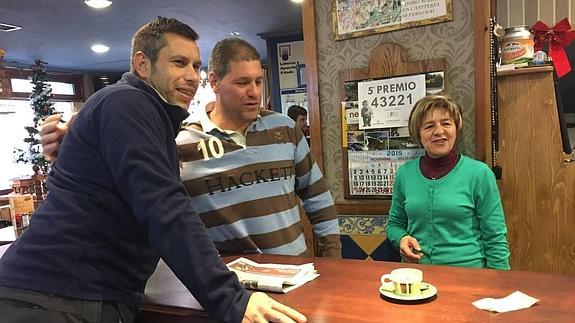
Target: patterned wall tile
365	237
368	243
363	225
350	249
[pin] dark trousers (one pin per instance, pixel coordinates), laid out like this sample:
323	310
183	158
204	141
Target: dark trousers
22	306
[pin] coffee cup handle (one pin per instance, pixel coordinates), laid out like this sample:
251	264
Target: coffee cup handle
387	283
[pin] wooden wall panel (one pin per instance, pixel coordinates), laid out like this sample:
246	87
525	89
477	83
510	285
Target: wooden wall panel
531	11
561	9
546	11
503	13
515	12
538	186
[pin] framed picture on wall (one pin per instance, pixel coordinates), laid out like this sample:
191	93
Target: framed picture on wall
355	18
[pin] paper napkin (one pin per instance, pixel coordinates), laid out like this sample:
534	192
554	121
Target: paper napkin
514	301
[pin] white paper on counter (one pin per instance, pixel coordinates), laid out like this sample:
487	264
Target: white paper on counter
514	301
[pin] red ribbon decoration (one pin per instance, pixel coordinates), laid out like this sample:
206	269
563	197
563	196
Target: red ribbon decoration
558	37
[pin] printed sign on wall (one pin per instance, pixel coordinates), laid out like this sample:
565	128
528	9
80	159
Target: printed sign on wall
387	102
291	62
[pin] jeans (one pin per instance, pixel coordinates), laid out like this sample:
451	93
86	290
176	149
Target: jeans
23	306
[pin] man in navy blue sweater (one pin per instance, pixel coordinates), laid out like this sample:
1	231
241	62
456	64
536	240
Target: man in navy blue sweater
116	205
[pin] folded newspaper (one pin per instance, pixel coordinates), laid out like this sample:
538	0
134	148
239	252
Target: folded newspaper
272	277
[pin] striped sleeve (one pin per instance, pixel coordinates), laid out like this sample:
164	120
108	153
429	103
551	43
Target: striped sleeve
316	198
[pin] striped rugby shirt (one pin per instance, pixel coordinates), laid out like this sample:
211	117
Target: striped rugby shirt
246	195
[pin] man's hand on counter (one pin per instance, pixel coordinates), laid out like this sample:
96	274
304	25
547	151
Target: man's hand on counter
262	308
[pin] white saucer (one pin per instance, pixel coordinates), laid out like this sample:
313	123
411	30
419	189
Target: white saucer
425	294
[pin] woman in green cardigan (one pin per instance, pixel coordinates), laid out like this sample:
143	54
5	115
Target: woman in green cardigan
446	207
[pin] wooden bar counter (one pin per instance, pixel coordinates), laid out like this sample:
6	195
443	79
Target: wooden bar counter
348	291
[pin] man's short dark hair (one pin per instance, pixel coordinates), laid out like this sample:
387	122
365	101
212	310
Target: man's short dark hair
295	110
231	49
149	39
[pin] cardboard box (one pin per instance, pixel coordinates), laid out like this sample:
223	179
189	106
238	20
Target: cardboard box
21	210
5	213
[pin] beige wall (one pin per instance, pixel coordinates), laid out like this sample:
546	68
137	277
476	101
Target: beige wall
527	12
452	40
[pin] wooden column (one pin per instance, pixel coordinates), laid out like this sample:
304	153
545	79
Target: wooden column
310	52
538	185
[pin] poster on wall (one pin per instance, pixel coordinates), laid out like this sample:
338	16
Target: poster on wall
355	18
292	84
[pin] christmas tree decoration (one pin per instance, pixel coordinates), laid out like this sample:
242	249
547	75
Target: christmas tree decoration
40	102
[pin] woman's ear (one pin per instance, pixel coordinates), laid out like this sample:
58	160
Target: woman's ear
141	65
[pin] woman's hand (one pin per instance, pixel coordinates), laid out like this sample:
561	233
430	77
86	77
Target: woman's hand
409	249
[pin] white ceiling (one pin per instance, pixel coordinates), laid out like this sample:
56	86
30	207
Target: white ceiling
60	32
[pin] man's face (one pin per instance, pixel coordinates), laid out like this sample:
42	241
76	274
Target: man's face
175	74
302	123
240	91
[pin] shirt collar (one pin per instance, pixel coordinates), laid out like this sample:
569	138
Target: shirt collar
208	126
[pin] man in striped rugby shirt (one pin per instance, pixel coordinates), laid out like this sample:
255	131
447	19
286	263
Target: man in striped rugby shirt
246	167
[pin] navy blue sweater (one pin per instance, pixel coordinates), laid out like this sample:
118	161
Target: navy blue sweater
115	205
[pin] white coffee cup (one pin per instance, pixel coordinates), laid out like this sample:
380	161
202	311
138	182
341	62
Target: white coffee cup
403	281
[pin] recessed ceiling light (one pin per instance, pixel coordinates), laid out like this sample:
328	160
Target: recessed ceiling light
98	4
7	27
235	34
297	1
99	48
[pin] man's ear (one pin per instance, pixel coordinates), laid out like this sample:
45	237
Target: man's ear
142	65
213	79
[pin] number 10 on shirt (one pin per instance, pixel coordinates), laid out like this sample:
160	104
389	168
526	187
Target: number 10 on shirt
214	148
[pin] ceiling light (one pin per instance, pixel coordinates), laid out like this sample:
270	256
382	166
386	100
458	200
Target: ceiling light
7	27
98	4
99	48
297	1
235	34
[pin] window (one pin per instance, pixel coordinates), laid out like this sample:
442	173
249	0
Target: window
65	87
14	116
58	88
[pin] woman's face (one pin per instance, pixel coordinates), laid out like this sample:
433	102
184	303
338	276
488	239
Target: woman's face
438	132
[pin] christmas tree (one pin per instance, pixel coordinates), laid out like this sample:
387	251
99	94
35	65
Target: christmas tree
43	107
